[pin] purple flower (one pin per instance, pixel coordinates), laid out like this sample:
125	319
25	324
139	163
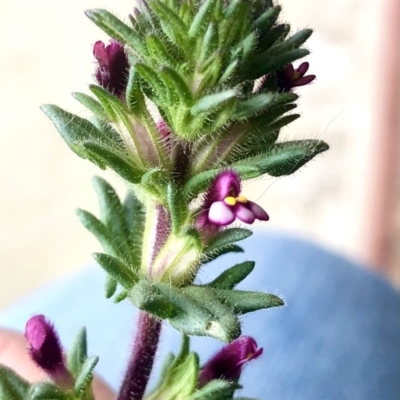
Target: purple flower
289	77
227	364
113	67
45	349
224	203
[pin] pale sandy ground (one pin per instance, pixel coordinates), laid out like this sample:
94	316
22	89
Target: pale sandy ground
45	53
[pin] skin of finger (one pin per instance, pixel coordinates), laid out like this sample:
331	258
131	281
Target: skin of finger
14	354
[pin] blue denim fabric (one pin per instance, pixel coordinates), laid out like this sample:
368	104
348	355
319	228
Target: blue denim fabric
337	338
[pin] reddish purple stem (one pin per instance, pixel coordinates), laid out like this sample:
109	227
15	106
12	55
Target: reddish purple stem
142	357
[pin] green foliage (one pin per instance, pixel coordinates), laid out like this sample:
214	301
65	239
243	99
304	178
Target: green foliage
209	310
78	353
49	391
12	386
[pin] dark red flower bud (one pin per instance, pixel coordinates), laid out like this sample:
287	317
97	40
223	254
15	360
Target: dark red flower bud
45	349
113	67
227	364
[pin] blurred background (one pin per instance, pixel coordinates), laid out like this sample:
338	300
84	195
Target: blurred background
345	200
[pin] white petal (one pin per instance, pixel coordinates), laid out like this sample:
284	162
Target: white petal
244	213
258	211
220	214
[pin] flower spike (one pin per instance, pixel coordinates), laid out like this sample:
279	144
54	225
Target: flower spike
113	67
224	202
227	364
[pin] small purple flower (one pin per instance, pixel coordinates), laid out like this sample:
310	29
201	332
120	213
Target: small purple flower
113	67
227	364
224	202
45	349
289	77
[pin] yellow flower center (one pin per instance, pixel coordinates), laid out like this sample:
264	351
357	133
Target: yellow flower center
296	75
231	201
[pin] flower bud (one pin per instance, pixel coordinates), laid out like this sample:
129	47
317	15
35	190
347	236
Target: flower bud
113	67
45	349
227	364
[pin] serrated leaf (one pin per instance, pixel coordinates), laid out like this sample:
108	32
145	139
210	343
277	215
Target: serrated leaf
201	19
117	269
227	237
115	161
212	102
266	20
98	229
159	51
12	386
233	248
287	157
171	24
175	82
117	29
78	353
232	276
177	207
134	96
91	104
254	105
217	389
264	64
48	391
76	131
294	42
242	302
85	377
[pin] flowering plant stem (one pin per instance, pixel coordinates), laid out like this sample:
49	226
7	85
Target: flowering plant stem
141	360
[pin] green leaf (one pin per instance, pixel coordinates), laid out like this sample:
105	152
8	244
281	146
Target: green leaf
177	207
110	286
227	237
171	24
76	131
115	161
48	391
281	122
232	276
134	96
265	64
159	51
242	302
12	386
217	389
180	380
287	157
266	20
122	295
151	77
98	229
210	43
117	269
220	252
135	220
213	102
85	377
117	29
78	353
91	104
175	82
202	18
252	106
294	42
